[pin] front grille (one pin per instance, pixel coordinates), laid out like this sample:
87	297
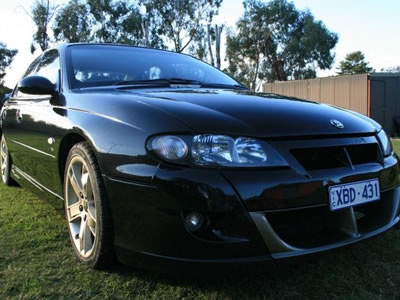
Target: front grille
305	228
362	154
311	227
337	156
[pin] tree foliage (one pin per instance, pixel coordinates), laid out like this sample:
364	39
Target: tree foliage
150	23
6	57
108	17
132	30
91	21
42	13
72	23
275	41
354	63
180	21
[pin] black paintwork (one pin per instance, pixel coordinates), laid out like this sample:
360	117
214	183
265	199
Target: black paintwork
36	85
148	197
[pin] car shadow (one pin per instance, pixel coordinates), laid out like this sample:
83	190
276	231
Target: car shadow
345	268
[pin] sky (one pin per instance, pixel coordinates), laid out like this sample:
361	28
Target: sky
368	25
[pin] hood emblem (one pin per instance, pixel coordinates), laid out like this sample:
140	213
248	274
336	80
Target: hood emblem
337	124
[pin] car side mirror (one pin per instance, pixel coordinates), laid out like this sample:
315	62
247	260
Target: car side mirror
37	85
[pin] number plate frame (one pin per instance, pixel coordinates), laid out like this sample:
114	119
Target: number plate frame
355	190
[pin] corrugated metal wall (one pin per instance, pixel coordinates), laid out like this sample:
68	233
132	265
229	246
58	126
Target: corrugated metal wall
350	92
385	101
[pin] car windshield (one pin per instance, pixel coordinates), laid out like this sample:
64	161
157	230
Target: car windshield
101	65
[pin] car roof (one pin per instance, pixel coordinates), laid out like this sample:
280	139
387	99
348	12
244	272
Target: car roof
64	46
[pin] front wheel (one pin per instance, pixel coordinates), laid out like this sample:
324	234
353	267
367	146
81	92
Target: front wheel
5	162
86	208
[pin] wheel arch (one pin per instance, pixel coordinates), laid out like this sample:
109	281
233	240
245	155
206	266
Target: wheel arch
104	251
67	142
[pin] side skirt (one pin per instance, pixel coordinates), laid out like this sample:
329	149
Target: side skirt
37	188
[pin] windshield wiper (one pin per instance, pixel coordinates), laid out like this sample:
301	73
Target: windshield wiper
224	86
167	81
179	81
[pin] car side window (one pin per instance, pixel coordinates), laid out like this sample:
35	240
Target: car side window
30	71
32	68
49	66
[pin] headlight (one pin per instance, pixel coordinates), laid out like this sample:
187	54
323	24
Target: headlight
216	150
385	142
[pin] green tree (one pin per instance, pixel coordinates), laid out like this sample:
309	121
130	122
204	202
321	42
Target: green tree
132	28
6	58
107	15
275	41
354	63
72	23
117	22
207	44
136	30
100	21
180	21
42	13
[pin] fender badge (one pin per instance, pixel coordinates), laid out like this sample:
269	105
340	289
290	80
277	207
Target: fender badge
337	124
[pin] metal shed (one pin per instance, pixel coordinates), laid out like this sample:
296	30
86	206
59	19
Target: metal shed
376	95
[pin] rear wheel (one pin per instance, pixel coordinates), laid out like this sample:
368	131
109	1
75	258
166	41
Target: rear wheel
86	208
5	162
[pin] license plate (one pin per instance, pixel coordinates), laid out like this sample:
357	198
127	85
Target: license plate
355	193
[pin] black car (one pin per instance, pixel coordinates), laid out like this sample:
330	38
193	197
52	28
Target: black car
163	161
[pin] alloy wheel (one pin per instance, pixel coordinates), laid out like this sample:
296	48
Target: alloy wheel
80	206
4	160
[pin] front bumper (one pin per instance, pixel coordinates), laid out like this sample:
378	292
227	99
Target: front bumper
334	230
255	216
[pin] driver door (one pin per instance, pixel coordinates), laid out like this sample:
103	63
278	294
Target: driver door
32	129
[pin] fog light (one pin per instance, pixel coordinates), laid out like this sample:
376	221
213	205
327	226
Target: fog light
169	147
194	221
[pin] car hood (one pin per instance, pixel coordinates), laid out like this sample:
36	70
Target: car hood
252	114
231	112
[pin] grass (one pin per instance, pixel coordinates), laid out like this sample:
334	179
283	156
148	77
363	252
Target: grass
36	261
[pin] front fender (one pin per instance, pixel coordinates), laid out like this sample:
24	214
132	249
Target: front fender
119	146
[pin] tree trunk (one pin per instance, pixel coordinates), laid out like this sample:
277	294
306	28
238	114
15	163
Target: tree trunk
44	43
145	29
254	81
209	43
218	31
277	67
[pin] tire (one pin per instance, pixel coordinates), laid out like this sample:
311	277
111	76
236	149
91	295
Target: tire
5	162
86	208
